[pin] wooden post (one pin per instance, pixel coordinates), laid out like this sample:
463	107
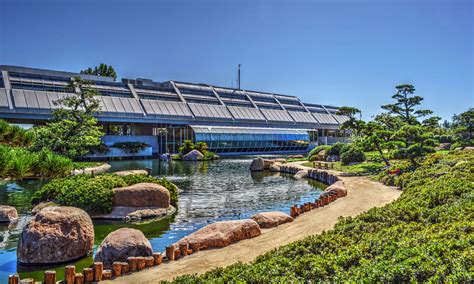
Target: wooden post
183	247
49	277
132	263
69	274
13	279
106	274
125	267
177	254
98	269
141	262
301	209
117	268
79	278
170	252
158	257
190	251
149	261
88	274
194	246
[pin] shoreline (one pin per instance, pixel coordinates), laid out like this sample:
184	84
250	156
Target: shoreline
363	194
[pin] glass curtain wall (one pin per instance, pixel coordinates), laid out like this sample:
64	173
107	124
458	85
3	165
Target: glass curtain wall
246	140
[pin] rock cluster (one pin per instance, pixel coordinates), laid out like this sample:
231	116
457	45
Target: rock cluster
122	243
194	155
56	234
259	164
337	187
142	195
131	172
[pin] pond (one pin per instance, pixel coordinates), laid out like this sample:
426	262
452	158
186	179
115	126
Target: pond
210	192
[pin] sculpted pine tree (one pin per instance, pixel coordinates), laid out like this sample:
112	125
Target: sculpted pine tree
463	124
101	70
353	123
405	105
73	130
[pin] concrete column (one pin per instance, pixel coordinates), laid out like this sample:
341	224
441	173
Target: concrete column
8	87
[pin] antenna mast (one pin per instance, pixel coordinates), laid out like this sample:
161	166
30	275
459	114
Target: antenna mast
238	78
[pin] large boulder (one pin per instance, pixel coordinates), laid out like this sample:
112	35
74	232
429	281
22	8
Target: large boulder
142	195
321	154
337	187
132	172
257	164
279	160
332	158
92	170
295	156
267	163
301	174
122	243
8	214
275	167
271	219
224	233
194	155
56	234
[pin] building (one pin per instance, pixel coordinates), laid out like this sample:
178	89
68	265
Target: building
163	115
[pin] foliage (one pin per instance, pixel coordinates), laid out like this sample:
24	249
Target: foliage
318	149
19	163
351	154
130	147
445	138
335	149
73	130
405	104
352	123
101	70
201	147
463	124
83	165
210	156
14	135
187	147
94	193
417	141
424	236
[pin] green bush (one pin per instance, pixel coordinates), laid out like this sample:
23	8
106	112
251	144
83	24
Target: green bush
51	165
187	147
130	147
318	149
21	164
14	135
426	235
351	154
335	149
201	147
94	193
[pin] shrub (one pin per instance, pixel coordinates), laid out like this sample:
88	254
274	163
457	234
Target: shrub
94	193
187	147
130	147
351	154
423	236
21	164
201	147
318	149
335	149
51	165
14	135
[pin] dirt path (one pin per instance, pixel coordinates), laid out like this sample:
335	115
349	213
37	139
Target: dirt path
363	194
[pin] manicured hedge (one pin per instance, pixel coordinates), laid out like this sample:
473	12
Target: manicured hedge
425	235
94	193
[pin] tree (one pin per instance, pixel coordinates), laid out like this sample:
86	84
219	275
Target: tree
352	123
432	123
463	124
405	105
378	137
101	70
73	130
418	141
390	122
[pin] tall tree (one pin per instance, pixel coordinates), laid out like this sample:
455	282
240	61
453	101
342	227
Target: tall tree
353	123
378	137
405	104
463	124
418	141
101	70
73	130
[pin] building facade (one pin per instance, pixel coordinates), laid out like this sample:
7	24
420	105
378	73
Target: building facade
163	115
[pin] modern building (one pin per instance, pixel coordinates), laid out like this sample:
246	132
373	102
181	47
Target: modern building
163	115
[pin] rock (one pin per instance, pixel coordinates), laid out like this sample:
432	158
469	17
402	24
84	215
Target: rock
131	172
122	243
40	206
224	233
142	195
332	158
275	167
8	214
468	148
271	219
321	155
165	157
279	160
267	164
338	187
257	164
295	156
136	213
56	234
444	146
92	170
194	155
301	174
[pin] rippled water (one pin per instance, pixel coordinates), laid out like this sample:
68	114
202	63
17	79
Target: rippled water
210	191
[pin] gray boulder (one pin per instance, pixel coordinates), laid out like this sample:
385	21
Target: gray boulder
194	155
257	164
8	214
332	158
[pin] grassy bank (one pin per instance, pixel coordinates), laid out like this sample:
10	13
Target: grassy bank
425	235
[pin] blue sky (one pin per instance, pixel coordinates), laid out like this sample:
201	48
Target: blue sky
336	52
